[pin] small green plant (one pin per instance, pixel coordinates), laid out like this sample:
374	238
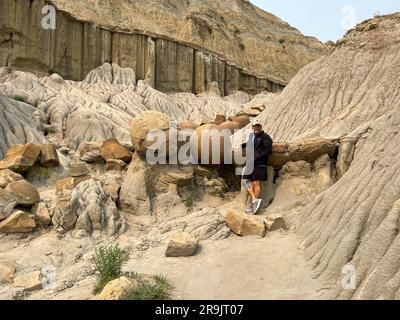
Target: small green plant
52	130
160	289
189	202
108	263
19	98
44	173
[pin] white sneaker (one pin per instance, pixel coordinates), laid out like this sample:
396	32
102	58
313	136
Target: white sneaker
256	205
250	210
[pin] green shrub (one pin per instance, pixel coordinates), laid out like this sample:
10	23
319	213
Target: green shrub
19	98
108	263
160	289
44	173
189	201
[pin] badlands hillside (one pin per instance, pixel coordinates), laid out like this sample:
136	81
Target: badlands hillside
74	177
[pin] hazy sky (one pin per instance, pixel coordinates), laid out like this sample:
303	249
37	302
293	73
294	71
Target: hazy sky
326	19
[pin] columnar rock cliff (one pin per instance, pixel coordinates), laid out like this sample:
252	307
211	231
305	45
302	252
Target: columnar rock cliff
83	41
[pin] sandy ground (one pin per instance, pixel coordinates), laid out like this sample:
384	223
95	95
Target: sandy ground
237	268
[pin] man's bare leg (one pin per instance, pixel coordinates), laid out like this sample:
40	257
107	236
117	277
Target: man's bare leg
257	189
252	194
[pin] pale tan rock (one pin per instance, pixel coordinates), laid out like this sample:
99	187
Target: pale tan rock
182	245
114	164
204	171
311	150
25	193
219	118
245	225
184	125
112	189
49	157
20	158
78	169
7	271
118	289
7	203
18	221
42	214
275	222
113	150
178	177
242	120
7	176
70	183
216	187
29	281
145	122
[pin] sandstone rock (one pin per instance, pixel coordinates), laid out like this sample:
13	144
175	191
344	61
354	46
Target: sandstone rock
70	183
49	157
118	289
91	153
78	169
41	213
7	176
219	118
311	150
242	120
88	209
112	189
64	218
114	164
216	187
346	155
145	122
203	171
29	281
275	222
7	203
20	158
7	272
184	125
18	221
180	177
25	193
280	155
245	225
182	245
113	150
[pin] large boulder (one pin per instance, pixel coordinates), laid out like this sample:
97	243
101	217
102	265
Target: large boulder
42	214
49	157
245	225
25	193
21	158
118	289
113	150
18	221
7	176
182	245
142	124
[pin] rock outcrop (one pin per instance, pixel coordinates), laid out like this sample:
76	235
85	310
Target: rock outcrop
352	94
184	61
86	209
245	225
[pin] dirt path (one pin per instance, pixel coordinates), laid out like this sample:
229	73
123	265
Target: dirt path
237	268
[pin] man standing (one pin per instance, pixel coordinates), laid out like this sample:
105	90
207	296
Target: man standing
252	182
